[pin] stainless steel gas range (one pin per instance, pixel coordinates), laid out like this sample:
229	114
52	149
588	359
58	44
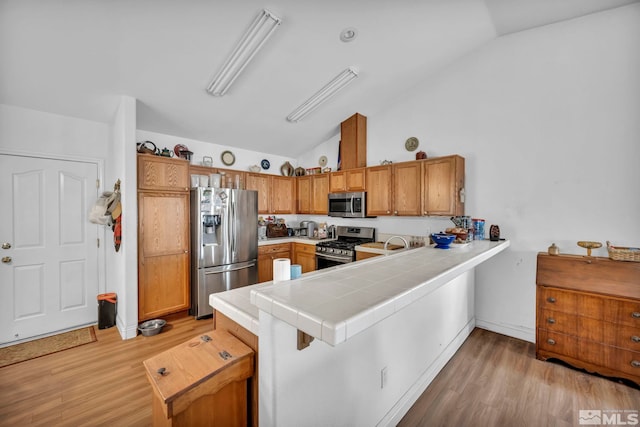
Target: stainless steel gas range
342	250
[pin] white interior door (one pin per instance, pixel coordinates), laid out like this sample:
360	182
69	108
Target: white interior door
49	270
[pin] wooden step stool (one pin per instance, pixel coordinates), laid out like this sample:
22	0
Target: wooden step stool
202	382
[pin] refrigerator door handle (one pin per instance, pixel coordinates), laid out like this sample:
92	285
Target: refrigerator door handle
233	229
224	269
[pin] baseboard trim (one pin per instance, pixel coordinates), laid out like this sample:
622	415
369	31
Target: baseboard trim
126	332
393	417
520	332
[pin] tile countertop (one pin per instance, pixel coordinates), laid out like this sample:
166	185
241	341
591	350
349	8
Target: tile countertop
336	303
295	239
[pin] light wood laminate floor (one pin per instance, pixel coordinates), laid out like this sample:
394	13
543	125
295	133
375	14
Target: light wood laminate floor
493	380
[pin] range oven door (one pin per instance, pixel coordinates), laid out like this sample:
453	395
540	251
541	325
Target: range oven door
326	261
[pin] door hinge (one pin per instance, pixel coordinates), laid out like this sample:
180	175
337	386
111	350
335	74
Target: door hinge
98	183
98	242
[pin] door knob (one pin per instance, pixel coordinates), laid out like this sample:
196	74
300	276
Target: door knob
6	245
6	259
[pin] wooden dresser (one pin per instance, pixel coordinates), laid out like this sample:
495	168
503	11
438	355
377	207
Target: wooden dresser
588	314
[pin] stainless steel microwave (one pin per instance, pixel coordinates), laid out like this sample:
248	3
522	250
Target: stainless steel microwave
348	205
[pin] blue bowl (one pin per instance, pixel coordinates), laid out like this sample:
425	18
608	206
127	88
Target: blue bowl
443	240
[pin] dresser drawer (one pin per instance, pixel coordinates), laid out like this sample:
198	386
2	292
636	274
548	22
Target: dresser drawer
626	361
558	343
625	312
557	300
623	336
557	321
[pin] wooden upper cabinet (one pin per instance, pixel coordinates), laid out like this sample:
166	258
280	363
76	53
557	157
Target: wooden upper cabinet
283	189
442	186
406	188
276	194
353	142
303	200
261	184
379	187
162	173
320	194
349	180
394	189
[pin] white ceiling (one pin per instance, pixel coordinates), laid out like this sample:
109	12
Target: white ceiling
75	57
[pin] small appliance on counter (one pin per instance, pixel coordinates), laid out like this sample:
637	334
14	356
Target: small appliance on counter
306	228
277	230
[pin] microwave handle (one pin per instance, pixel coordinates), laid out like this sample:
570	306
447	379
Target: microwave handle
351	204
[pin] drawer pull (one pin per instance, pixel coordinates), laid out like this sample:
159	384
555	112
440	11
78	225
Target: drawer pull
635	338
551	320
635	363
553	342
553	300
635	315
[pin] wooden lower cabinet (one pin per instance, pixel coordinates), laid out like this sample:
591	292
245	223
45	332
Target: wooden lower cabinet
266	255
305	255
588	314
360	255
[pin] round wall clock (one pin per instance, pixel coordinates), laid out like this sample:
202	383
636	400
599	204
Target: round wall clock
228	158
411	143
265	164
322	161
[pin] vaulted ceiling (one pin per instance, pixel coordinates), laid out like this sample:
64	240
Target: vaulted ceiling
75	57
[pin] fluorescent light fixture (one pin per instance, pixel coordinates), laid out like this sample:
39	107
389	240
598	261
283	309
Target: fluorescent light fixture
261	29
330	89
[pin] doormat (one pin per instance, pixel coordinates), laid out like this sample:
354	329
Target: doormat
43	346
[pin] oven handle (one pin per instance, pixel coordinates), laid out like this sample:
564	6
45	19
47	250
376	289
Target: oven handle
334	257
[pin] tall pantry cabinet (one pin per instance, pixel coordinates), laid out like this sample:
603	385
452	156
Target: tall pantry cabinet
163	236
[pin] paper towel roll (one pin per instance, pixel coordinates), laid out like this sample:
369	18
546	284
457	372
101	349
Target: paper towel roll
281	269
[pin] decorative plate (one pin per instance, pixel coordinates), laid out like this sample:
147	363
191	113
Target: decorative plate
411	143
322	161
265	164
228	158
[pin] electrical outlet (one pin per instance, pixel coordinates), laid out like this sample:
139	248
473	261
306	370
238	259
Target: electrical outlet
383	377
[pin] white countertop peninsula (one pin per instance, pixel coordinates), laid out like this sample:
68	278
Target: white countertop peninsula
384	328
336	303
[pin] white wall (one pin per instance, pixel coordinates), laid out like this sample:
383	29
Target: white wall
244	158
122	272
548	121
323	385
36	132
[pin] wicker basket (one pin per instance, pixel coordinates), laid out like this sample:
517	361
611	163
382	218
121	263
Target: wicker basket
619	253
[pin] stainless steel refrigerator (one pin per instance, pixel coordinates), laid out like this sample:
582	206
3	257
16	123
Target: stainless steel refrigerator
224	240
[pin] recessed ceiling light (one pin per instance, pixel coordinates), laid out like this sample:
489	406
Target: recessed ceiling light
348	34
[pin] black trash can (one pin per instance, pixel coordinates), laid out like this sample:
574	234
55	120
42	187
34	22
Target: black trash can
107	310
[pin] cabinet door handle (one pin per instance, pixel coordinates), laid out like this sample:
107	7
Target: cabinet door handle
551	341
635	363
635	338
551	320
635	315
551	300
